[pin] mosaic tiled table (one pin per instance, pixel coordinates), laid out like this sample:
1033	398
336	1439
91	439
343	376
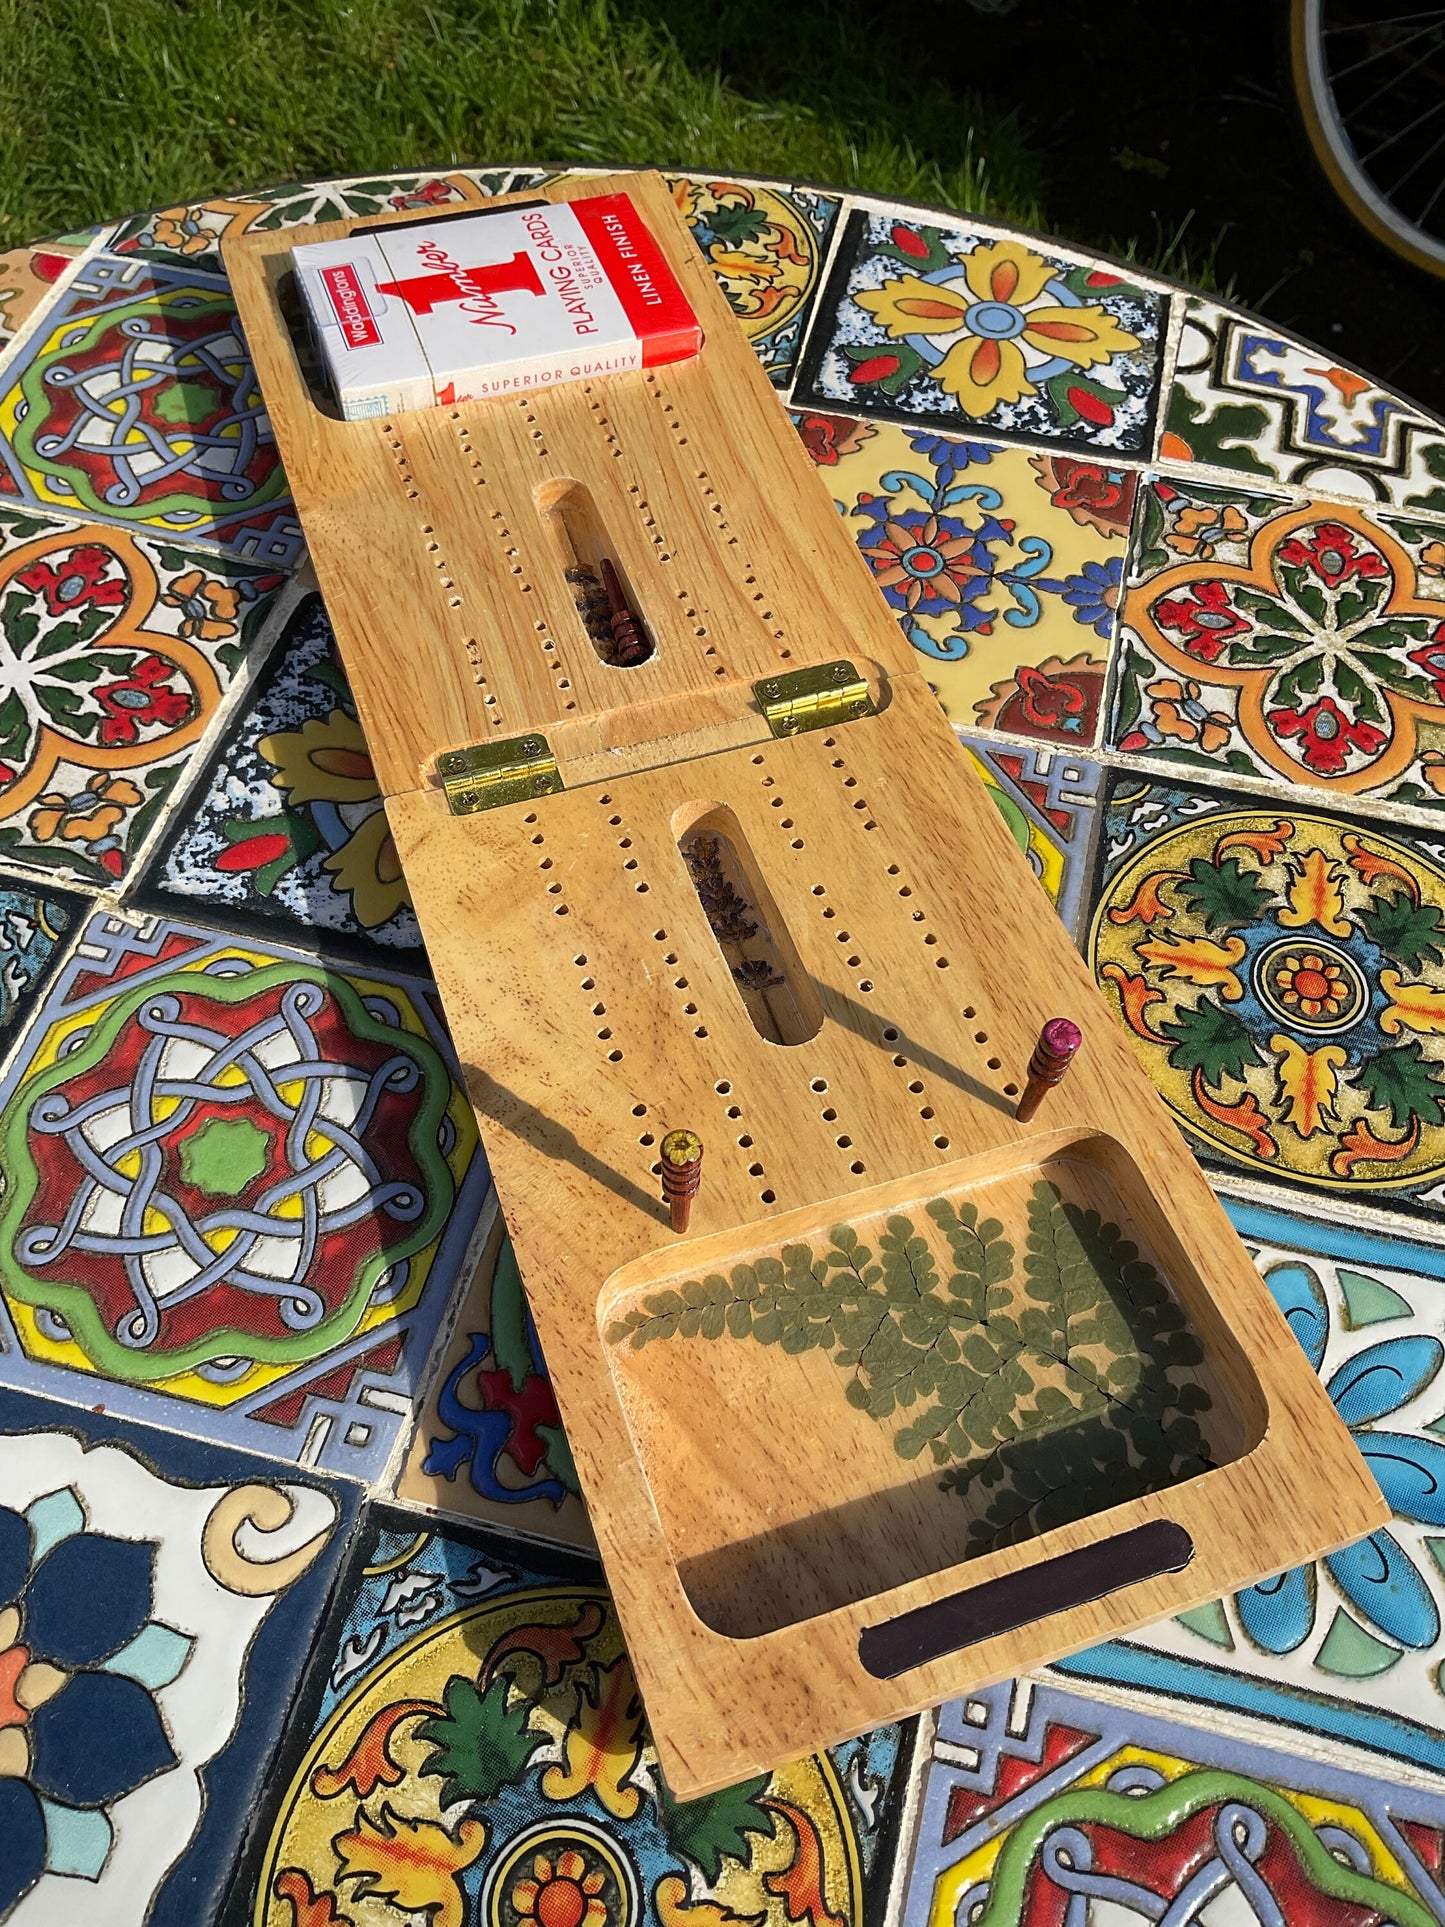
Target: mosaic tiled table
299	1620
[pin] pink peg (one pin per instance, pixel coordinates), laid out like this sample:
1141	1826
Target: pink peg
1058	1045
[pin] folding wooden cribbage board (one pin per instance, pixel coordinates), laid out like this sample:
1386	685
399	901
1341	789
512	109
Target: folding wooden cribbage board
925	1396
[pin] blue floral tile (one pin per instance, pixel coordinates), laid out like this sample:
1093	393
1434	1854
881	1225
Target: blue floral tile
978	329
1351	1648
474	1749
158	1599
1002	568
288	829
296	1139
1041	1807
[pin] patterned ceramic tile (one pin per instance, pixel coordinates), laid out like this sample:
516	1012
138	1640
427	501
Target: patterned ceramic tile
160	1602
240	1186
766	245
135	402
479	1754
27	277
193	233
37	924
289	829
1298	642
1049	800
1283	975
489	1442
1351	1648
1041	1808
243	1184
1003	568
1249	398
116	651
979	330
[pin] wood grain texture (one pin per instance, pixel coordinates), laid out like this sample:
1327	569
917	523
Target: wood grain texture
431	520
593	1010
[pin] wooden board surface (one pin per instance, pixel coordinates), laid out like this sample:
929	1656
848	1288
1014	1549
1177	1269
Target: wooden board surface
440	562
593	1008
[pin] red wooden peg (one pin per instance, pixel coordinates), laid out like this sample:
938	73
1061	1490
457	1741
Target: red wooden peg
630	646
681	1174
1058	1045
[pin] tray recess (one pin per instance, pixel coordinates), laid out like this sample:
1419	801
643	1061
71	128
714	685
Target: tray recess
826	1406
595	1006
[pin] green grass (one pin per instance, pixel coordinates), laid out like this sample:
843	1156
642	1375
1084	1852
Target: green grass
110	106
1188	257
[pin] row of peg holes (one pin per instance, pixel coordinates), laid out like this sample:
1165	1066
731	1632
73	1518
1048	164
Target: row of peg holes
715	508
554	661
905	890
829	1115
865	984
533	429
889	1034
553	888
433	548
689	609
599	1009
724	1088
682	986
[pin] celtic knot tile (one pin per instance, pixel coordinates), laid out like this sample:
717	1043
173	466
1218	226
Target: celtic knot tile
223	1170
136	402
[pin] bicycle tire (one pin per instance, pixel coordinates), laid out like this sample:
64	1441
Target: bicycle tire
1335	151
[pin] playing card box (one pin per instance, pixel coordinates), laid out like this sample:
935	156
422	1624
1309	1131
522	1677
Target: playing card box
504	301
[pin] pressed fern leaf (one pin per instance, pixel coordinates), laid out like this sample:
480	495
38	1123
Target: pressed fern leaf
1058	1393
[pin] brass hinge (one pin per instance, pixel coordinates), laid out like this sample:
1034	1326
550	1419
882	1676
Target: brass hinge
814	698
490	774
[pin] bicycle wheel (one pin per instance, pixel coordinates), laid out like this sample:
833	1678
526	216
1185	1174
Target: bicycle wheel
1370	83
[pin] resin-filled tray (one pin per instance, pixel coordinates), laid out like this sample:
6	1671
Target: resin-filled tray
685	891
828	1406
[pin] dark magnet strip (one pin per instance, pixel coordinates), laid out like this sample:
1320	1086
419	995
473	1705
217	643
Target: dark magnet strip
1016	1599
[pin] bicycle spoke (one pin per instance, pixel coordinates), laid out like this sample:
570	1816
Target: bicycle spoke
1400	133
1371	86
1429	207
1394	47
1395	20
1395	80
1416	165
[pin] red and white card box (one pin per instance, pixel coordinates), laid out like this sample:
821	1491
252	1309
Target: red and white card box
502	302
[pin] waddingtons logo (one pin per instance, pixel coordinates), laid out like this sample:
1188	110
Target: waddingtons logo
348	300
